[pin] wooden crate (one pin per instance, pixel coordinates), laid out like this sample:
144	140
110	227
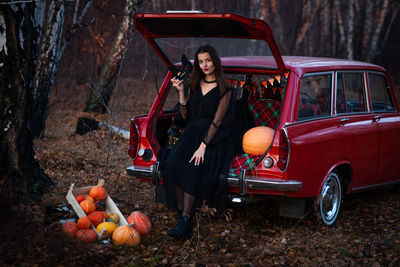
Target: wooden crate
110	206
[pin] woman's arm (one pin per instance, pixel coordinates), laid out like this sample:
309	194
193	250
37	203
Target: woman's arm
218	117
178	84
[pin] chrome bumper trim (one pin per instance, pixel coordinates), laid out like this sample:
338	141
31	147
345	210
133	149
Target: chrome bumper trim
243	182
267	184
133	171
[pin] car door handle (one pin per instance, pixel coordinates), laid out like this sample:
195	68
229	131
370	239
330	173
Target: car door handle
377	117
344	120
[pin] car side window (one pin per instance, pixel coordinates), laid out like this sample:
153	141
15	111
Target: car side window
315	96
350	96
381	99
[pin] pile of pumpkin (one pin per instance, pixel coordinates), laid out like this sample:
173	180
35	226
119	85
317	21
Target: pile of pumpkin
94	207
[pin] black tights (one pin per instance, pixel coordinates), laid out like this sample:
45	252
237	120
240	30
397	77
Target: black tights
184	201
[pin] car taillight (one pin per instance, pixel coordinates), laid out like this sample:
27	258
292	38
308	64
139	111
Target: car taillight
133	141
283	150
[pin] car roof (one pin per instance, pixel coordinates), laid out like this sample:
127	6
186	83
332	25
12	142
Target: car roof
298	64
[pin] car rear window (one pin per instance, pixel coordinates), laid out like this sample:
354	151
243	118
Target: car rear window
315	96
173	48
381	99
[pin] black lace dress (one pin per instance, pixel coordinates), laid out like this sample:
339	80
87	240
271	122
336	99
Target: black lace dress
210	118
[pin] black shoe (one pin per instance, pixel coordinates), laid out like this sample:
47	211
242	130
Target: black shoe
182	229
179	213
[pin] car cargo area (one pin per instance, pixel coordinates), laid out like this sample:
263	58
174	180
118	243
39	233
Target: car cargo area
261	95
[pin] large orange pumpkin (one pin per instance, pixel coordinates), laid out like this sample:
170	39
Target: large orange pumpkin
70	229
98	191
140	221
257	140
87	206
84	222
126	235
86	235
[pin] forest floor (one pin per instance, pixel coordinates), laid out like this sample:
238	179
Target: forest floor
367	232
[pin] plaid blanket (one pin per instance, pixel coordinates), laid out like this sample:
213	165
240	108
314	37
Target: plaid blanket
265	112
245	161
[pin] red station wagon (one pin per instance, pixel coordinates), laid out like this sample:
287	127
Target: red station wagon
336	122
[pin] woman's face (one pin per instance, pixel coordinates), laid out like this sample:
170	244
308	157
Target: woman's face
205	63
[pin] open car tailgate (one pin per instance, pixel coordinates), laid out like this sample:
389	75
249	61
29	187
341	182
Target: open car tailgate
205	25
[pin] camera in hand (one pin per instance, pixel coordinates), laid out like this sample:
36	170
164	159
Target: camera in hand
182	72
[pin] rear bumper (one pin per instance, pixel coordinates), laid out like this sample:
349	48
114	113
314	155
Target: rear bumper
140	172
243	182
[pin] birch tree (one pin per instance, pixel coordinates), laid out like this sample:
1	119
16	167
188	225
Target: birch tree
30	49
100	95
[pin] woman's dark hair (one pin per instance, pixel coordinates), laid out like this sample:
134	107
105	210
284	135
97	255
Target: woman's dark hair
198	74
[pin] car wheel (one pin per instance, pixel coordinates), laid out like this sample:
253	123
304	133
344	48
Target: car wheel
329	202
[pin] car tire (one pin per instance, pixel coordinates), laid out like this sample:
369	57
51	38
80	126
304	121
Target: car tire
328	204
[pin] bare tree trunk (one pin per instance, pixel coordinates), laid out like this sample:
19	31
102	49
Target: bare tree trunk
395	10
342	33
257	10
350	30
49	56
334	32
376	34
30	54
308	16
21	177
367	27
46	65
325	28
101	95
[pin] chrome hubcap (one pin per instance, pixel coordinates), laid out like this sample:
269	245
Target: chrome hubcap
330	198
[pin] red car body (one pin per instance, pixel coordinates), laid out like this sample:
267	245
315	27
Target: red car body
353	145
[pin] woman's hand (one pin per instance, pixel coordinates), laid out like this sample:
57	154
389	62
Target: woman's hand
178	84
198	155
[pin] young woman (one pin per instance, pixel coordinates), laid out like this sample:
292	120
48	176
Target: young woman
203	151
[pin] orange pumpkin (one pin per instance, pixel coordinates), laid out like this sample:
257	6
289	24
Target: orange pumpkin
87	206
70	229
140	222
98	191
96	217
126	235
257	140
90	198
84	222
86	235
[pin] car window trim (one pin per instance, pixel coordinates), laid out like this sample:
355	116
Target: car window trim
332	93
366	92
387	87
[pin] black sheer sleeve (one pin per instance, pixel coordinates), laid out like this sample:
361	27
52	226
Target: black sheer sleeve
185	108
219	116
